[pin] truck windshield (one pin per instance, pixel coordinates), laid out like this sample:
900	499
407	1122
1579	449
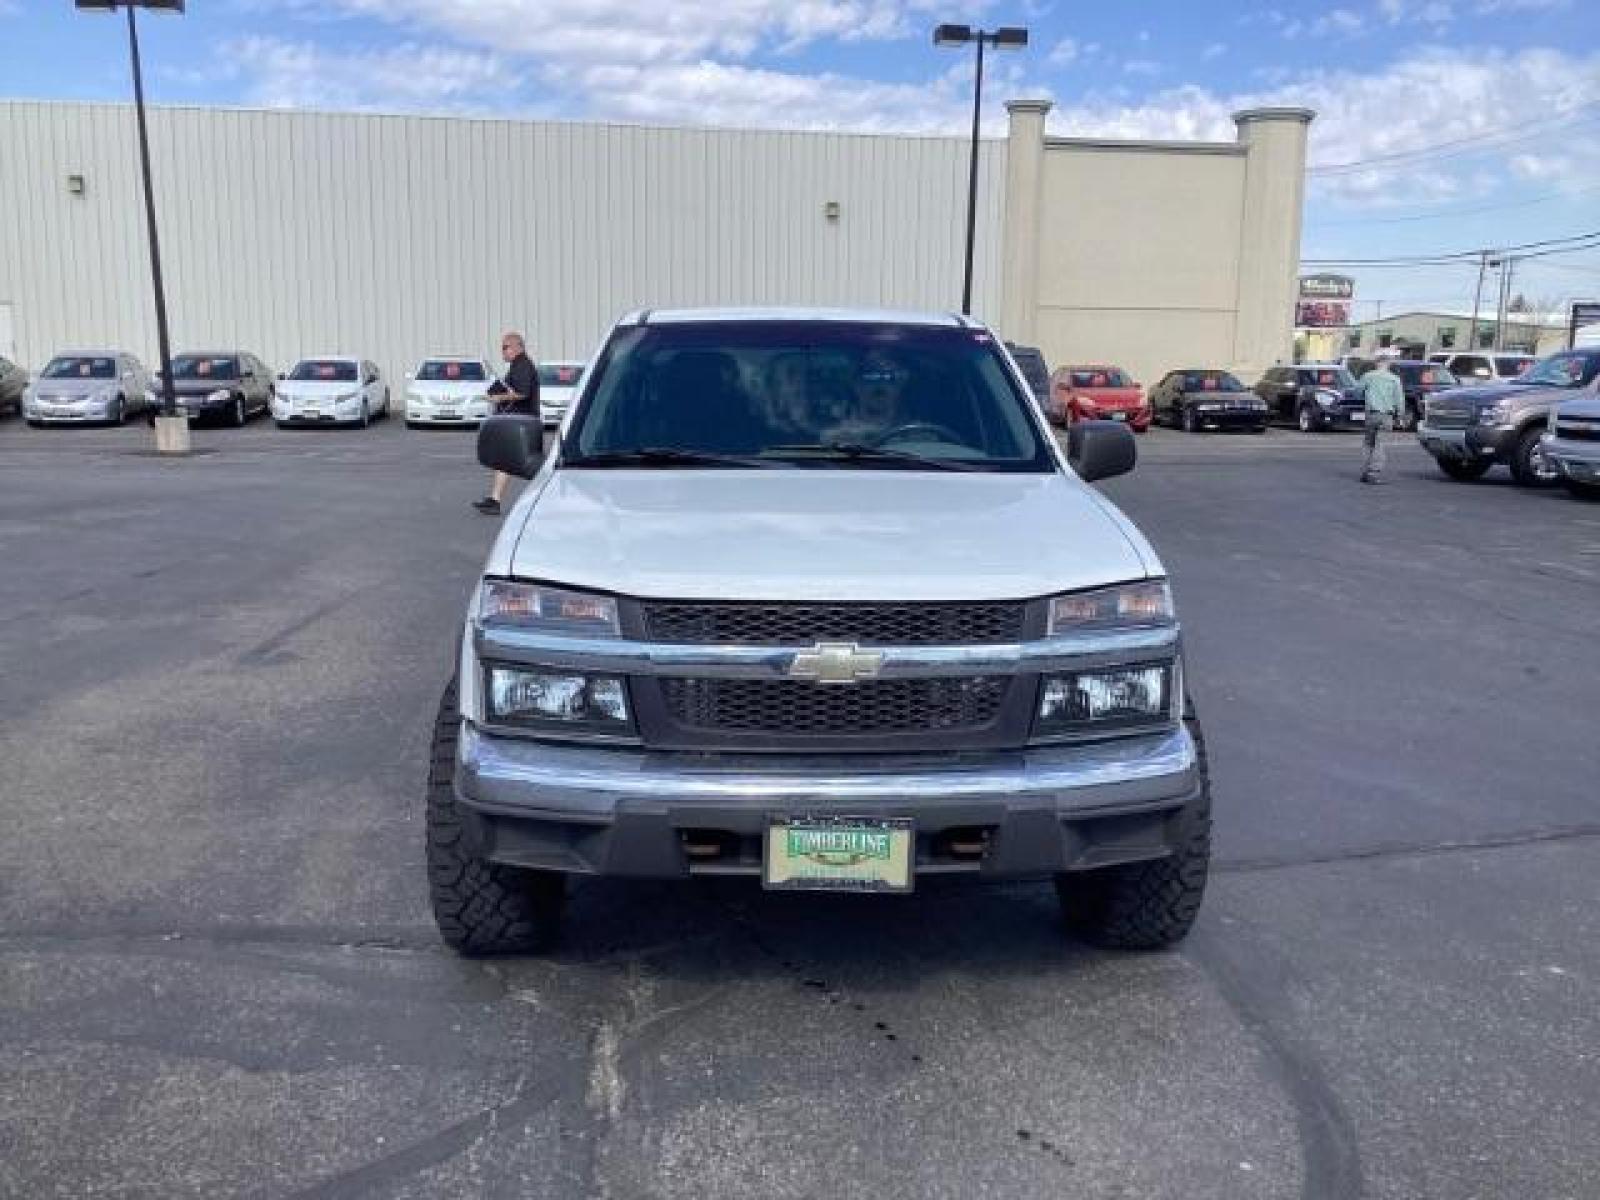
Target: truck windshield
1571	370
806	394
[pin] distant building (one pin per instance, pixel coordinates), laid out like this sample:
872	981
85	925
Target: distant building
1432	332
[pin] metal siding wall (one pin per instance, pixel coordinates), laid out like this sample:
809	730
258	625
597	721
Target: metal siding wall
292	233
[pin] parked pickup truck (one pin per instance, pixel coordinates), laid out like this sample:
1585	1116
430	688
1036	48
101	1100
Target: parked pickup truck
1470	429
1572	446
815	598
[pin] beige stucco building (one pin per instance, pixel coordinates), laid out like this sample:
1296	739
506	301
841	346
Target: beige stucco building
392	237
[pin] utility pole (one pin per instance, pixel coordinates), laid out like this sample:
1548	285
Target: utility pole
1503	299
1477	300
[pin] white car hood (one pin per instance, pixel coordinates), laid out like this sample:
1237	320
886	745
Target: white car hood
821	535
444	389
550	393
316	389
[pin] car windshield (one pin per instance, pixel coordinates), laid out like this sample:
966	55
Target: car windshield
452	370
1211	381
75	367
1100	377
564	375
1328	377
325	370
205	366
1570	370
1510	368
807	394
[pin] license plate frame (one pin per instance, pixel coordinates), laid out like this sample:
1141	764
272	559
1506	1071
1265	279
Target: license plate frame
827	852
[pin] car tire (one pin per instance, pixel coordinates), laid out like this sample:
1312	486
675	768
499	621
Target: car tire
413	425
1146	905
1306	420
1190	424
365	420
1461	470
1528	465
239	414
281	424
1262	428
480	907
1582	491
119	415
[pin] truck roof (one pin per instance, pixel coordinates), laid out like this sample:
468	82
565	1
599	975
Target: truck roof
874	316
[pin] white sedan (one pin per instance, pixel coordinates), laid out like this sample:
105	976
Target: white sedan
448	390
558	388
333	390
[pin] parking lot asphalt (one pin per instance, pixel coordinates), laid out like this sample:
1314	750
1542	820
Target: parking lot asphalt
218	975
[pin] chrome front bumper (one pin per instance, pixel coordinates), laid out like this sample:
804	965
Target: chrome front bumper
614	811
1575	460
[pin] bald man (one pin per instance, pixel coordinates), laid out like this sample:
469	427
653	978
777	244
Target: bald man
518	394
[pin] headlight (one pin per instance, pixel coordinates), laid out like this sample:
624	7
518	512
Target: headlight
1119	698
351	398
220	396
504	602
1129	606
1210	407
548	698
1328	399
1495	414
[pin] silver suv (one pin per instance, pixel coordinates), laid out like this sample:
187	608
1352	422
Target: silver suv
817	599
1572	446
1470	429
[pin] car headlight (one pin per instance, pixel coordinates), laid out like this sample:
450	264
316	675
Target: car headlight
1107	700
1495	414
507	603
1210	407
350	398
220	396
517	696
1328	399
1140	605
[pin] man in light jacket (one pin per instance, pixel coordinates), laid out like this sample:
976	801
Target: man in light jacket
1385	401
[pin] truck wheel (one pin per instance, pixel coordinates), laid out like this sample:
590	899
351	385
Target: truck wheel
1583	491
1147	905
479	906
1463	470
1529	466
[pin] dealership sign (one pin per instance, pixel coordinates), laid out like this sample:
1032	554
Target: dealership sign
1324	301
1585	315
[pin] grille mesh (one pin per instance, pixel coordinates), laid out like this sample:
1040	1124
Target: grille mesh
877	707
986	623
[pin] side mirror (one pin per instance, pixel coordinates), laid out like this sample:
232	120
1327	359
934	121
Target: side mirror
513	444
1101	449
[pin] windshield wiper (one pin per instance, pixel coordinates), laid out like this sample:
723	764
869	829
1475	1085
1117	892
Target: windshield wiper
861	452
664	456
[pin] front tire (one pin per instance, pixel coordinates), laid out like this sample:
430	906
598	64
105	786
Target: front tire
365	420
1461	470
1582	491
239	414
1190	424
1529	466
1306	419
119	415
480	907
1146	905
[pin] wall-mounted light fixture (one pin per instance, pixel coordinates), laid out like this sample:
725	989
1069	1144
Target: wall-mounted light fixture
75	184
830	210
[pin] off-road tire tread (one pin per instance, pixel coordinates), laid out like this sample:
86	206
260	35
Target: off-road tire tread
481	908
1462	472
1150	905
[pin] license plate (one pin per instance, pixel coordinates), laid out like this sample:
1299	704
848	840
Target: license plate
843	854
447	415
314	413
1358	417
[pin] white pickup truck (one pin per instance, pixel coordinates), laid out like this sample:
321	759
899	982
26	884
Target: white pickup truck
815	597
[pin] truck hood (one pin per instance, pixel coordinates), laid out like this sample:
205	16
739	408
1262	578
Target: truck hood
824	535
1587	406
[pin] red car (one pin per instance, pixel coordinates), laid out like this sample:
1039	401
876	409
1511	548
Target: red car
1096	393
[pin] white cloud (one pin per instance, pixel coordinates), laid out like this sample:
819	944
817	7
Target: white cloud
1065	53
1486	7
1146	67
1338	22
1214	50
1436	13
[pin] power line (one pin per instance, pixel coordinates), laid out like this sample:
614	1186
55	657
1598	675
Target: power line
1452	257
1456	147
1458	212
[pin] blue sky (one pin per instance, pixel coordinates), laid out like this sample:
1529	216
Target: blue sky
1513	87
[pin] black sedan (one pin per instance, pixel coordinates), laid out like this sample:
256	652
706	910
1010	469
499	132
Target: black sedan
1200	398
1312	396
228	384
1420	380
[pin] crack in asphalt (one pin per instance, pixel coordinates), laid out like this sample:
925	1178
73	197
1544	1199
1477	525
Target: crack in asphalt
1504	841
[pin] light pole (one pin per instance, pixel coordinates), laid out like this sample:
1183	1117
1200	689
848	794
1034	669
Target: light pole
173	436
960	35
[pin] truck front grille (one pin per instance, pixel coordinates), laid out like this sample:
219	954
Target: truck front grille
1578	433
876	624
799	709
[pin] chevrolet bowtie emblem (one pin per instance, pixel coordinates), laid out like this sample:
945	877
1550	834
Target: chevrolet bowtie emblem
836	662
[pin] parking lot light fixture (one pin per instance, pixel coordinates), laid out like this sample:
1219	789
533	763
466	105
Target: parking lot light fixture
172	435
1008	37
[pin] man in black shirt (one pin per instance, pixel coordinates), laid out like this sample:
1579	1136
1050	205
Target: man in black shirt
518	394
